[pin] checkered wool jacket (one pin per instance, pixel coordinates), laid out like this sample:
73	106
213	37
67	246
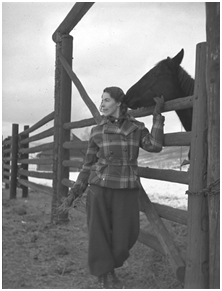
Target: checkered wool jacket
111	157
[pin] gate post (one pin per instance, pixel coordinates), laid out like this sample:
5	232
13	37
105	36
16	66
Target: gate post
14	161
63	90
197	275
213	107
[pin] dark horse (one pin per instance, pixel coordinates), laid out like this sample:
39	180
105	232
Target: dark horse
167	78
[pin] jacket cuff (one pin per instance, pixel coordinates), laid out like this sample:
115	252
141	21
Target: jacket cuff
79	187
158	118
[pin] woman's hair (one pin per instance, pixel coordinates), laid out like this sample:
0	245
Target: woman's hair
118	95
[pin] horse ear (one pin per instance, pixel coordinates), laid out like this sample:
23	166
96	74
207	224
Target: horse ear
178	58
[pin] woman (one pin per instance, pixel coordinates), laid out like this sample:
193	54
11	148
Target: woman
109	175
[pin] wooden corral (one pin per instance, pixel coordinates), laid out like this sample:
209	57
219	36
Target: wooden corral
199	267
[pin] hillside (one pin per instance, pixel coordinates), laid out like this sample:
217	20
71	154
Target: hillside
168	158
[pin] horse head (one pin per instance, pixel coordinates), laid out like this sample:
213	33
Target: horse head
160	80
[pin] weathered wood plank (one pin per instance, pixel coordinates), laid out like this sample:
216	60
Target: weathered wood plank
7	159
72	19
149	173
38	124
170	139
180	103
75	145
56	162
213	107
35	186
89	103
163	235
177	139
36	161
150	241
6	181
176	104
197	275
6	166
7	142
14	161
42	147
73	163
44	134
63	105
164	175
6	151
171	213
44	175
80	123
6	173
25	189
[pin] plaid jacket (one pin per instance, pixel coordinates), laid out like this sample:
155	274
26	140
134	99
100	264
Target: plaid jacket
111	157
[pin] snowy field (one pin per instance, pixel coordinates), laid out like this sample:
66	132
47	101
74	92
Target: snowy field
172	194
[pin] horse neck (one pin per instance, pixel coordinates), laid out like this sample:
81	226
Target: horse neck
186	82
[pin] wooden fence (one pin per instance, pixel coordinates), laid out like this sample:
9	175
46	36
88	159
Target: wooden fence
16	158
192	268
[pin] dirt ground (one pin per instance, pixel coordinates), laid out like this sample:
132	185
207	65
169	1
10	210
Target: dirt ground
40	255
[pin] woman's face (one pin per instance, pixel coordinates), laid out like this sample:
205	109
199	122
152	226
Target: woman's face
109	106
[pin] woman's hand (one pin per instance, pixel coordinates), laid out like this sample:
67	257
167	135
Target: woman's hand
159	105
72	195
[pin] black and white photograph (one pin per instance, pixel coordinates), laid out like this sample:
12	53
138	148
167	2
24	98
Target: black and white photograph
110	145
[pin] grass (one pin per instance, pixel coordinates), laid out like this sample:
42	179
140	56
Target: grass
39	255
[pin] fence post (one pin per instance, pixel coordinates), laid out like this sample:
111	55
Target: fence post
5	155
63	89
213	170
197	275
24	166
14	161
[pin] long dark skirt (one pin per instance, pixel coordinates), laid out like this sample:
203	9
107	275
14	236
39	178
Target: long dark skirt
113	226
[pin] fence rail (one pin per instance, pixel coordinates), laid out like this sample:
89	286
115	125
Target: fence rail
38	187
7	151
16	159
43	147
196	218
72	19
6	166
7	142
177	104
170	139
44	134
36	161
39	124
43	175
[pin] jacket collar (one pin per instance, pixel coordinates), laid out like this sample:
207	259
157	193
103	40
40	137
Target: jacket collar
126	128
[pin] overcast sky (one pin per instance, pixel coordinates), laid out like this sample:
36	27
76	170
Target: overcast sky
115	44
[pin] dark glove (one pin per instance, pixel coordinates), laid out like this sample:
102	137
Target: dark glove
159	105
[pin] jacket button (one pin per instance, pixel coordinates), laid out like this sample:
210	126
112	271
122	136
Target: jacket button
125	149
111	152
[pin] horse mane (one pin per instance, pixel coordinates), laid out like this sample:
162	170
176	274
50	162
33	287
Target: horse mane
186	82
